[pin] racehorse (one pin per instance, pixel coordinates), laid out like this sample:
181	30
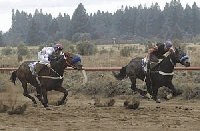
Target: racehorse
49	78
160	75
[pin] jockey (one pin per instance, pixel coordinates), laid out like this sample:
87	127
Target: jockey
154	54
46	52
158	51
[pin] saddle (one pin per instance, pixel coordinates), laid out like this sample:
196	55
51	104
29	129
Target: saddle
39	67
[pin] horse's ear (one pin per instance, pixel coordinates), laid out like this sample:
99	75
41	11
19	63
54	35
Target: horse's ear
178	48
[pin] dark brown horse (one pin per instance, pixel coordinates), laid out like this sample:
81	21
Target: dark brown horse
160	75
49	78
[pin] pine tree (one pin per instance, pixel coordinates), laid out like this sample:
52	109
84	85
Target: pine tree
1	38
79	22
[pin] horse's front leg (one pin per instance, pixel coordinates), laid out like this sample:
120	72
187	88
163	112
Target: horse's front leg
26	94
174	91
45	99
63	90
155	93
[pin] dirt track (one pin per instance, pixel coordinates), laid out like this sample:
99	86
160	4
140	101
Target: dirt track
80	114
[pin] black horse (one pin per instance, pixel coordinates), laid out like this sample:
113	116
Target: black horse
49	78
160	75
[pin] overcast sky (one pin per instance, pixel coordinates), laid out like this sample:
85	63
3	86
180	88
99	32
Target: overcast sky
68	6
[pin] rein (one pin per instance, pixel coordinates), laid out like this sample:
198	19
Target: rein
69	63
52	77
164	73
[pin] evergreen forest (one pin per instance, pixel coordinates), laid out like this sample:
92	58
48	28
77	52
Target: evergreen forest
126	25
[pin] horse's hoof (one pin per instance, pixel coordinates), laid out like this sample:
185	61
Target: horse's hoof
158	101
148	96
168	97
48	108
34	105
58	103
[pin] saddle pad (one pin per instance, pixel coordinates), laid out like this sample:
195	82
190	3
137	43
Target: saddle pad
32	66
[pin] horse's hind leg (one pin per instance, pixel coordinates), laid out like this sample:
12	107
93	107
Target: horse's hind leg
24	85
38	89
63	90
134	88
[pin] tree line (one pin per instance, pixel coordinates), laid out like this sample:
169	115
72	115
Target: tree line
135	24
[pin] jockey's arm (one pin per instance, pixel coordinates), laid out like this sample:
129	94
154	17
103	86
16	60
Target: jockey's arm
43	58
151	50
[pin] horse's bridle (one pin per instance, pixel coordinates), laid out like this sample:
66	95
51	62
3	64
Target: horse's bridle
180	59
68	62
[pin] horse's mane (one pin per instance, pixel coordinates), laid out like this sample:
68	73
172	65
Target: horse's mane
165	62
59	64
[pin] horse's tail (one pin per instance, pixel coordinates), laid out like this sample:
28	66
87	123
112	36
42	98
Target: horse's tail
13	76
121	75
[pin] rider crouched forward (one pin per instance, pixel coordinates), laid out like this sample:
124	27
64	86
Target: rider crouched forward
157	52
46	53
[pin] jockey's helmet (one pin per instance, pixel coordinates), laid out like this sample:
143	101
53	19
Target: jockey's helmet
168	44
58	47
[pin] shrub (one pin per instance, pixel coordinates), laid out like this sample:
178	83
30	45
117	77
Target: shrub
126	51
67	45
6	51
22	49
103	51
19	58
86	48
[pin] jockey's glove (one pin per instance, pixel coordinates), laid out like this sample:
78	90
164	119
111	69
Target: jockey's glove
48	65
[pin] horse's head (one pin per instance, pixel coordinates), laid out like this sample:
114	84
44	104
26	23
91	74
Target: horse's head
58	61
73	60
181	57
